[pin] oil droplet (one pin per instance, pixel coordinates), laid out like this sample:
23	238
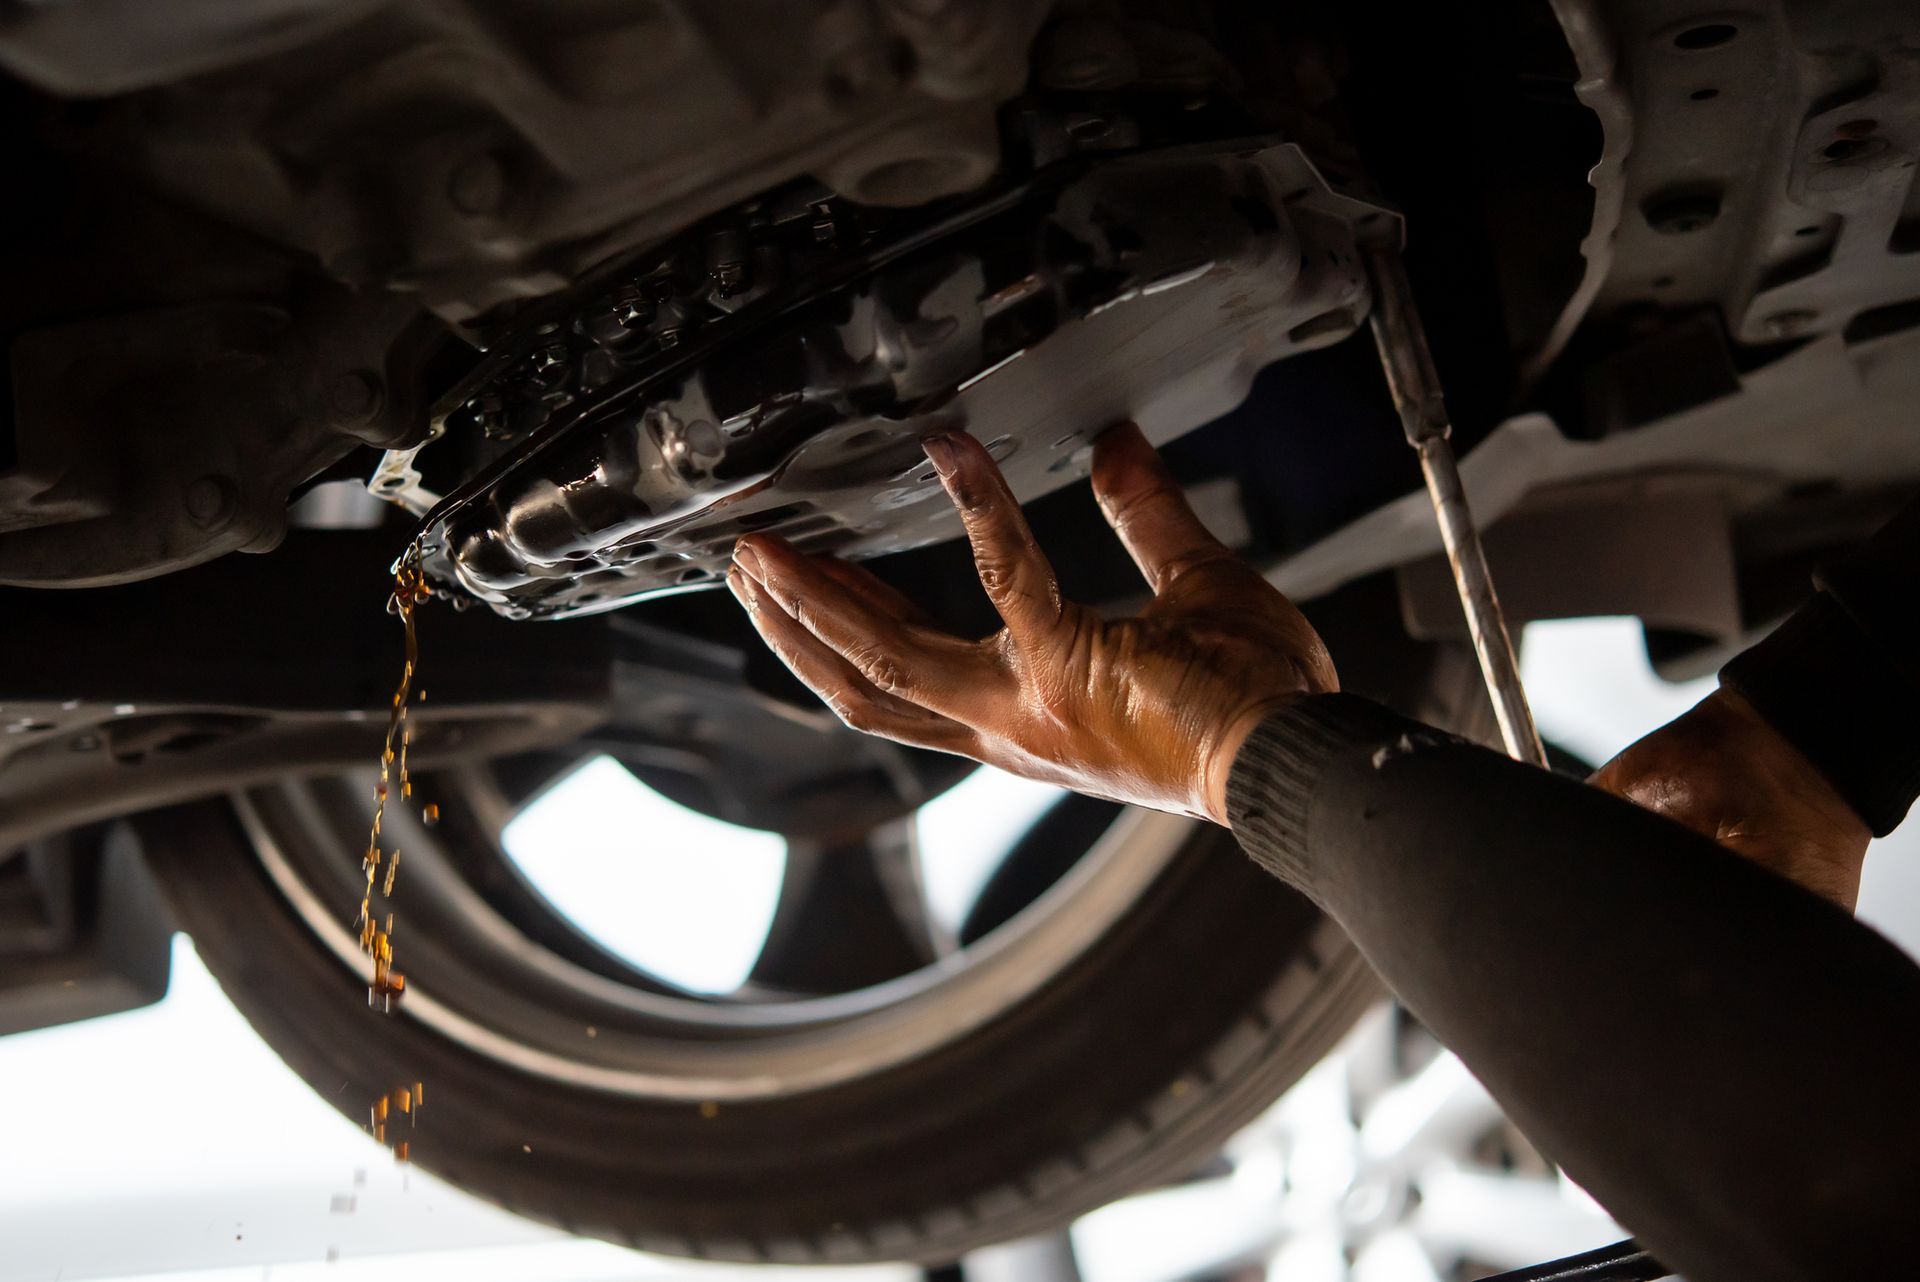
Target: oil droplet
401	1099
430	813
709	1109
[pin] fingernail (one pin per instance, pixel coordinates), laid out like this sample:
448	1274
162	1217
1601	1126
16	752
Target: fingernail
941	453
740	586
746	558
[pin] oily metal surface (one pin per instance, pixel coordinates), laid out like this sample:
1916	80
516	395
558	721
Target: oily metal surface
1151	286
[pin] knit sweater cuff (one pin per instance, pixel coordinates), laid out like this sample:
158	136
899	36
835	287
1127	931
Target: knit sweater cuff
1271	786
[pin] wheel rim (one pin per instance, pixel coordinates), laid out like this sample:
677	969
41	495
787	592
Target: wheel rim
489	972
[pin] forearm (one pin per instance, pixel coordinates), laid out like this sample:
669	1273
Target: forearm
1639	998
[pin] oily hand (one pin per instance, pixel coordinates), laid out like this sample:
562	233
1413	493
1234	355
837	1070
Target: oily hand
1148	710
1725	773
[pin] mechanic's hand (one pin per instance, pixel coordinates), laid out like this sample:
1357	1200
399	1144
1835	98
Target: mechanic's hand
1148	710
1722	771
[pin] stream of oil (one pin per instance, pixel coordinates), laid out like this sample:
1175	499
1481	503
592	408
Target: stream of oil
388	986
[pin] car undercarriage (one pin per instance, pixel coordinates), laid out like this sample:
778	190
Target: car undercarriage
564	299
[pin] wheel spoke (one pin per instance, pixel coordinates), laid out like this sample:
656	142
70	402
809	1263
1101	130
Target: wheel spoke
850	916
1436	1113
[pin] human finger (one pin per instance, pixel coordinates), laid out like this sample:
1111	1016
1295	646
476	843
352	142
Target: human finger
878	593
849	695
919	664
1144	505
1011	566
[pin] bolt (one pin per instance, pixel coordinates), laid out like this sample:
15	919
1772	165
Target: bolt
822	222
354	395
478	185
669	338
490	410
548	366
209	501
729	277
631	309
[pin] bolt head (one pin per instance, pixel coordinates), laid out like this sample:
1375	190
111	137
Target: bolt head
490	411
631	307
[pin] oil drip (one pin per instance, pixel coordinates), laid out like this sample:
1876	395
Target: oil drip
388	985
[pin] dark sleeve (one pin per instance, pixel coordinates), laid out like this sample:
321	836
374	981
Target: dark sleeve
1840	679
1725	1060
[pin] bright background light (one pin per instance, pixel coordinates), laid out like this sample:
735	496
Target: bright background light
965	832
677	893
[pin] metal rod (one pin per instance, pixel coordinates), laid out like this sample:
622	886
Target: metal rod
1423	414
1624	1261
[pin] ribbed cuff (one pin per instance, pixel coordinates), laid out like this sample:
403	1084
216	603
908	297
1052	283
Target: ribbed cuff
1829	689
1270	788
